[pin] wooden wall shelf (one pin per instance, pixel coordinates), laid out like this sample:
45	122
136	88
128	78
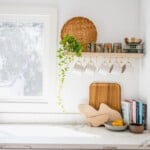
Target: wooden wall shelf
115	55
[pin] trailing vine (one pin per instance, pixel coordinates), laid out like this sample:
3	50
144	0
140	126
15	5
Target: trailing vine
69	48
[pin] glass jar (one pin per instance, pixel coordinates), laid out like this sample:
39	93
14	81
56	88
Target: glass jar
117	47
108	48
99	47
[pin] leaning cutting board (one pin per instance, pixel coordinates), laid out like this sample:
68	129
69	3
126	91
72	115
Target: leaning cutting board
108	93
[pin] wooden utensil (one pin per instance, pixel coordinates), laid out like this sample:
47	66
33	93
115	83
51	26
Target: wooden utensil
108	93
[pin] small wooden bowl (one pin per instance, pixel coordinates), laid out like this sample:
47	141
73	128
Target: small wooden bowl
132	40
136	128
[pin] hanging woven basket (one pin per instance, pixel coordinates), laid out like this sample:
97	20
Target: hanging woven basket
82	29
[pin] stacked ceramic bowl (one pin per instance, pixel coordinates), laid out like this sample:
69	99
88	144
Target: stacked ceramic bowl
133	45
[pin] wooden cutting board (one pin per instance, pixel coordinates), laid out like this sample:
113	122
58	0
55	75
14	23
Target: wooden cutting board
108	93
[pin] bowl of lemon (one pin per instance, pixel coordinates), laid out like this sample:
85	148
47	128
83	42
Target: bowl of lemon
117	125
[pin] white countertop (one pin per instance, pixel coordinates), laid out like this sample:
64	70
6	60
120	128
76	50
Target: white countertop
69	137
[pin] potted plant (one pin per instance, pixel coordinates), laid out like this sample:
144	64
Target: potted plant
69	48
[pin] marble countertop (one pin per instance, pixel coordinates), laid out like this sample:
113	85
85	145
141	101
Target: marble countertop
69	137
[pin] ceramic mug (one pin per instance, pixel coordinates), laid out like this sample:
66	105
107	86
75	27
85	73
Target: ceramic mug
90	67
105	68
78	68
117	68
126	67
129	67
123	68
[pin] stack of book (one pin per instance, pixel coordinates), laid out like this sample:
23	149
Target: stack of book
134	112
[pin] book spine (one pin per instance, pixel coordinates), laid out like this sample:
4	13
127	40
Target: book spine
144	116
130	102
140	112
134	111
137	112
131	112
126	111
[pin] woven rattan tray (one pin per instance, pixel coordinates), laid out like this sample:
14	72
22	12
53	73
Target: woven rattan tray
82	29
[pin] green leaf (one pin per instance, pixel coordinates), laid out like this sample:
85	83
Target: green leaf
67	44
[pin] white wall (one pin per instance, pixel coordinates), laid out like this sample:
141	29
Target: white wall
144	78
114	20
